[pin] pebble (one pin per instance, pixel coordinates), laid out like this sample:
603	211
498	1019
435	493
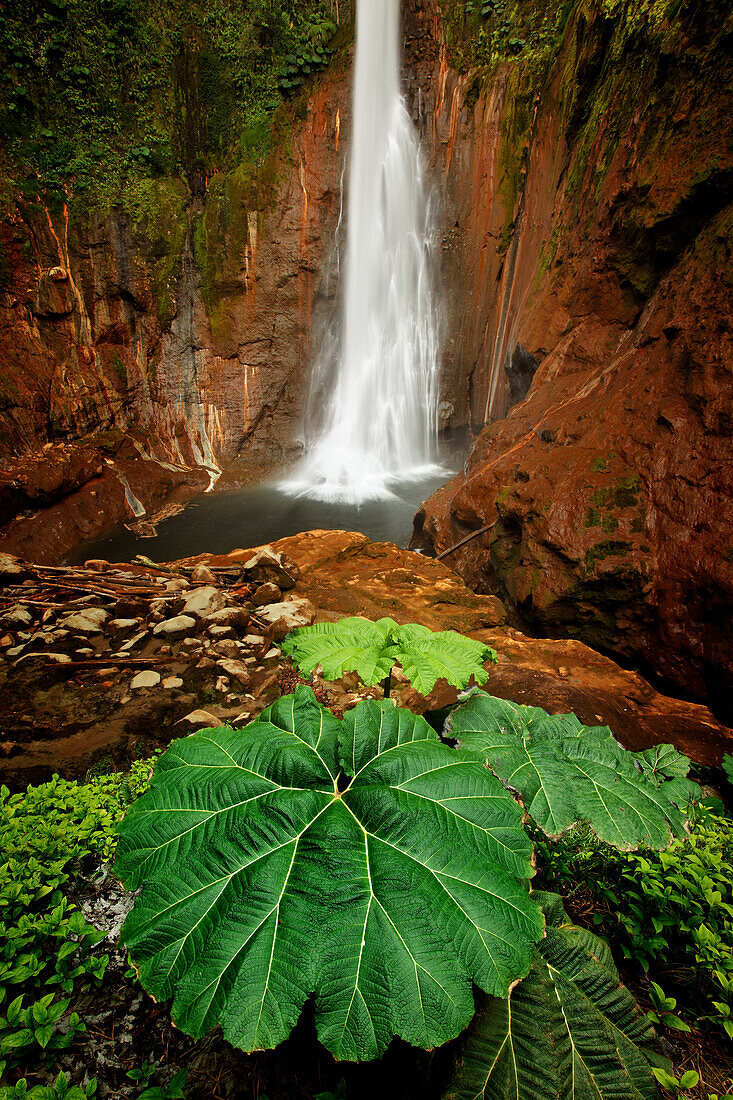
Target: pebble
172	682
289	615
134	641
203	601
222	684
274	652
125	699
253	639
15	650
206	662
6	641
147	679
228	648
181	624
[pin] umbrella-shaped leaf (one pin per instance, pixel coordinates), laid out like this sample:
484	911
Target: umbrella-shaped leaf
268	875
570	1030
565	772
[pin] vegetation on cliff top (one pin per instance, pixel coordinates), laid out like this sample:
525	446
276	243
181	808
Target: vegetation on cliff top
94	95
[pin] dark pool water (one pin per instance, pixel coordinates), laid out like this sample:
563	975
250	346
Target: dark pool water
221	521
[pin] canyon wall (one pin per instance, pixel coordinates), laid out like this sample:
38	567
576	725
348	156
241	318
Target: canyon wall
587	242
176	328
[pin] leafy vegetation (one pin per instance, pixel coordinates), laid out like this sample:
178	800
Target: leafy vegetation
371	649
670	912
569	1029
94	94
46	946
363	860
566	772
401	863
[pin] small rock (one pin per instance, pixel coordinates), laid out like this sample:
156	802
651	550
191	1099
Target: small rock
125	699
147	679
90	621
15	651
176	584
6	640
237	669
203	601
206	662
267	566
203	575
134	641
164	651
122	626
102	672
172	682
55	658
97	565
229	616
85	651
191	643
266	593
228	648
253	639
201	718
287	616
158	607
12	569
274	652
181	624
219	632
17	616
222	685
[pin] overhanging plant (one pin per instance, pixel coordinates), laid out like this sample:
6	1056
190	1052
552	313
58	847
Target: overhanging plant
372	649
368	864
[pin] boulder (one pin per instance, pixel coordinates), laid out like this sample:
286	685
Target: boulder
229	616
17	616
203	575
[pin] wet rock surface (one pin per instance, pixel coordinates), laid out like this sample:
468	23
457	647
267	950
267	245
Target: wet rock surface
72	697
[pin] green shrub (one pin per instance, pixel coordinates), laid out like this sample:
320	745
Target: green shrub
668	911
46	833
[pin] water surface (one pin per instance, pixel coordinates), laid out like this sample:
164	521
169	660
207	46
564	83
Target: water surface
219	522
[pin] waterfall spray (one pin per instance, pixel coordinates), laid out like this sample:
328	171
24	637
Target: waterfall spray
377	382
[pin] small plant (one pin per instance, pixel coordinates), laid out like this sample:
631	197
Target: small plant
663	1012
59	1090
688	1080
372	649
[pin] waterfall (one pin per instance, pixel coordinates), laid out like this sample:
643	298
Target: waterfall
376	384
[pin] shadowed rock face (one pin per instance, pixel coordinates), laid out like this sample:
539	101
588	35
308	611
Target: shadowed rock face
589	225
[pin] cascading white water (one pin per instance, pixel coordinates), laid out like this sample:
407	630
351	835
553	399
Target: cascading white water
378	381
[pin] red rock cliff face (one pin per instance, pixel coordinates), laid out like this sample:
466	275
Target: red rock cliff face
588	235
185	324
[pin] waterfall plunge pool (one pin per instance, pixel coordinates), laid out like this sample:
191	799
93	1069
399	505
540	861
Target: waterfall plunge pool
234	519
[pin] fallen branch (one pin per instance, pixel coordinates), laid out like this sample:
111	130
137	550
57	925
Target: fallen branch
468	538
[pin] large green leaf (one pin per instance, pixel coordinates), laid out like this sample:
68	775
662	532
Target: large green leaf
427	656
565	772
268	876
350	645
371	649
569	1031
